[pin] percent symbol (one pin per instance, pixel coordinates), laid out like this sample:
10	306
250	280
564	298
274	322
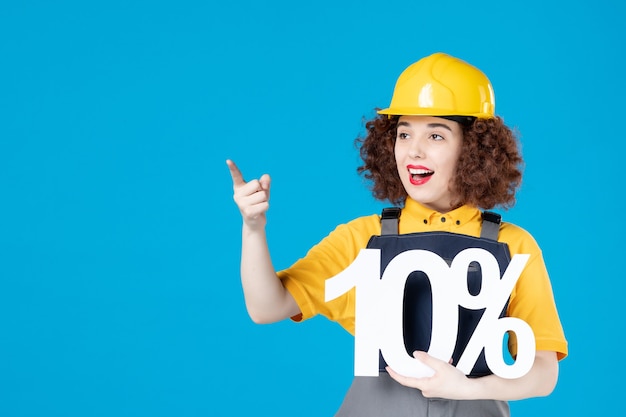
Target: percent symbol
491	329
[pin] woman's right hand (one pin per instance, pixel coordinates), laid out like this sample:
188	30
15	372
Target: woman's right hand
251	197
267	300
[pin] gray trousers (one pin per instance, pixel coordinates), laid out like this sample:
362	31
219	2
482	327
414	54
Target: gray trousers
384	397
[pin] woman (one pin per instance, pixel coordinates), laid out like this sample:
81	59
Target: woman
440	152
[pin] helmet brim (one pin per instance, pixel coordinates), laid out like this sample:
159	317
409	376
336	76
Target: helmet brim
429	111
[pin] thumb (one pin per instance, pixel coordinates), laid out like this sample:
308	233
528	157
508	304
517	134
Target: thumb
265	181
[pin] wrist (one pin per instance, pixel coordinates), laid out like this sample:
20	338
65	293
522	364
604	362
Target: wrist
472	388
253	228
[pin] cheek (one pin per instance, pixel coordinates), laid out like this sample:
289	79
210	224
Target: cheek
399	163
451	161
451	168
399	152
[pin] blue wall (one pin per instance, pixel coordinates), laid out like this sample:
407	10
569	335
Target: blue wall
119	240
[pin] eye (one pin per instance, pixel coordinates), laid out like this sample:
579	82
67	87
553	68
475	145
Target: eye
402	135
436	137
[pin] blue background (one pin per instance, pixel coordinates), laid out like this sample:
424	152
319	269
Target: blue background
119	239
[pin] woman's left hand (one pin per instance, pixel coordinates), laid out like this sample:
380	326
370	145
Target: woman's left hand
447	381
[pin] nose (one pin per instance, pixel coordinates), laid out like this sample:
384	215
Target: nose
415	149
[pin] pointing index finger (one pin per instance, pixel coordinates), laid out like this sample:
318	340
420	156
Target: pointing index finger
235	173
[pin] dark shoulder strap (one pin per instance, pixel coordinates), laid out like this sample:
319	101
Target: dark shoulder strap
491	225
389	220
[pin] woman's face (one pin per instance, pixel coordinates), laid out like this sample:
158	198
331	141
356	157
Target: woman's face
427	150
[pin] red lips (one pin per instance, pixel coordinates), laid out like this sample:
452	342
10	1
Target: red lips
419	174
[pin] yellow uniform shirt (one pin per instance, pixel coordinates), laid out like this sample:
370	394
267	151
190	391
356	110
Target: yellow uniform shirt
532	299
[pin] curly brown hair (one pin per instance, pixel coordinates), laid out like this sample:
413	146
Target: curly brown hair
488	173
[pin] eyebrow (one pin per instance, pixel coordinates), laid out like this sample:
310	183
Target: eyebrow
429	125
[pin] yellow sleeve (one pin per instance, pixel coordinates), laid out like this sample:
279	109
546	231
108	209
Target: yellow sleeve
305	279
532	299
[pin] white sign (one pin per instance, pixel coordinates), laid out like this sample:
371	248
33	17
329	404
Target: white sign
379	307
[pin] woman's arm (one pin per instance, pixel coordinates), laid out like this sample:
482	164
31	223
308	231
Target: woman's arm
267	300
448	382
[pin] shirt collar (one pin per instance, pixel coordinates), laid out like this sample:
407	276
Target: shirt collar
420	213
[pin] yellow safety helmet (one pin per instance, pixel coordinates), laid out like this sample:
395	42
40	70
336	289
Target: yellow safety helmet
441	85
